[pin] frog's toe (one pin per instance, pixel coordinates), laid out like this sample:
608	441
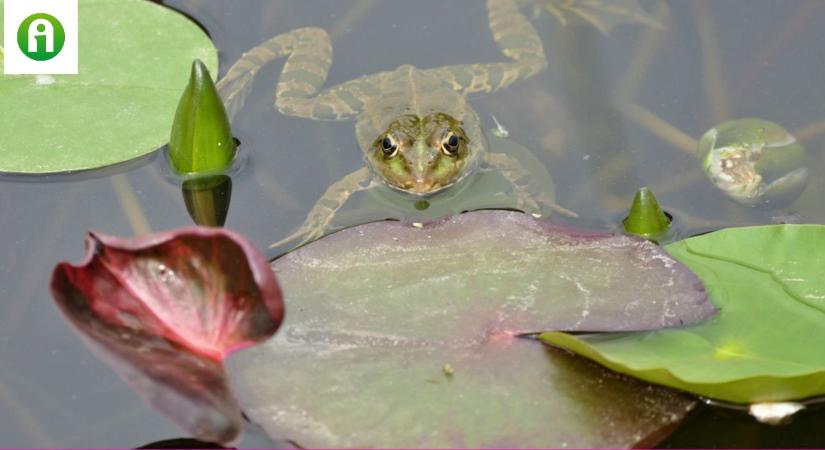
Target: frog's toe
550	207
528	205
282	241
541	206
313	235
562	210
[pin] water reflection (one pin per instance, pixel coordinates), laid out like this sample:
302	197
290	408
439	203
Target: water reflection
207	199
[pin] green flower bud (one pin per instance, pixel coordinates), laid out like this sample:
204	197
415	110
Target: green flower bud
201	140
646	217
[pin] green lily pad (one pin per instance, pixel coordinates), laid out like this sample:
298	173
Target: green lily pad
763	346
406	334
134	59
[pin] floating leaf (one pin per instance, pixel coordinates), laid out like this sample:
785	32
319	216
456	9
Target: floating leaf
763	346
601	14
133	63
406	334
164	310
201	141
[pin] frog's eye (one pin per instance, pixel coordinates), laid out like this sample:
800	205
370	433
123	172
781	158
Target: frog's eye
389	146
450	144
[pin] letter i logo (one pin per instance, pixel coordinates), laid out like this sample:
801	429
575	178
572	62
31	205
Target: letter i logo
40	37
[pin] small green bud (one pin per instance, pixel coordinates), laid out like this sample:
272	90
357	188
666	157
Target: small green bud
201	140
646	217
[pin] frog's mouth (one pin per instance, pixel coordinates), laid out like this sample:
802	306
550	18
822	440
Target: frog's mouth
456	185
421	188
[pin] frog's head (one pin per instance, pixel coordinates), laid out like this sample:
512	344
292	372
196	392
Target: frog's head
421	155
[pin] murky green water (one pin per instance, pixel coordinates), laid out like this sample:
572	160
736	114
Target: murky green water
611	114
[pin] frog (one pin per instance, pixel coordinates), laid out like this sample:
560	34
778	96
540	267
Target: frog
417	131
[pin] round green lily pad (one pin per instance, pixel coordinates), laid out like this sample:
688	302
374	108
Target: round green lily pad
134	63
765	345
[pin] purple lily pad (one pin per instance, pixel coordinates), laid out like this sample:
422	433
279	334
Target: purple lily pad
165	310
404	334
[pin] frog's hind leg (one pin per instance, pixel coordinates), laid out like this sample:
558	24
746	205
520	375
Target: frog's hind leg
321	215
309	57
530	198
516	38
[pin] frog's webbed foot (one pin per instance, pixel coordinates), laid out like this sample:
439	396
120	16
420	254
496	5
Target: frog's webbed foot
530	198
320	216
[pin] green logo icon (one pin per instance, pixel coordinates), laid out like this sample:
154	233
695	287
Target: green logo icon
41	37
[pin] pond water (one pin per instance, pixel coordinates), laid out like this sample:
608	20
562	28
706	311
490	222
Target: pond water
611	114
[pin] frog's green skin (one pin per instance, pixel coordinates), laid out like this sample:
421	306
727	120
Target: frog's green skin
406	119
483	189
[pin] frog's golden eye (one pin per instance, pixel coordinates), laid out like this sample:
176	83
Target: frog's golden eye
389	146
450	144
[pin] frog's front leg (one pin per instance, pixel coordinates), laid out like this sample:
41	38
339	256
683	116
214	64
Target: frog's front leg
530	198
321	215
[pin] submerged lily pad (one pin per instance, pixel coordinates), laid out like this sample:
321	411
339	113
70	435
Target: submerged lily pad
764	345
134	59
164	310
405	334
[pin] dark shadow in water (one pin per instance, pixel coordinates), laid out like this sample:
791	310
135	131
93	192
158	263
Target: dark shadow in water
714	427
187	15
82	175
182	443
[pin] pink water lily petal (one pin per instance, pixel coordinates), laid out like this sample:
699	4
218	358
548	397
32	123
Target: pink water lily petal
165	310
205	289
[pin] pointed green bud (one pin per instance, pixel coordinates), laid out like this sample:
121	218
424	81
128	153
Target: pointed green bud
646	217
201	139
207	199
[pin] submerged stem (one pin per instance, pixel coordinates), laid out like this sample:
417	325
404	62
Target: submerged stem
715	92
642	56
131	207
661	128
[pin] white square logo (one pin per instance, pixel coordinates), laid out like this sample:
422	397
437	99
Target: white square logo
39	37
